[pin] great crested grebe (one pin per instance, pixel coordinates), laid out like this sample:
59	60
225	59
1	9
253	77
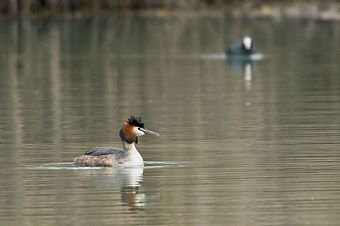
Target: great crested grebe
131	129
242	48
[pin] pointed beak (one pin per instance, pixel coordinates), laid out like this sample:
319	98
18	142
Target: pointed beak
149	132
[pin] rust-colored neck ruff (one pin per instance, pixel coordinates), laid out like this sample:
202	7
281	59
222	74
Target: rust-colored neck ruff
126	133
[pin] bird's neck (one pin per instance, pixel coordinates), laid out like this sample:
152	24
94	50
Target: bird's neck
134	158
129	147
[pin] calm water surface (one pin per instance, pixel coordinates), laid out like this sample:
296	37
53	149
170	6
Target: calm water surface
242	143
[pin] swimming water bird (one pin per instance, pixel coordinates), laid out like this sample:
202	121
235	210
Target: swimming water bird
131	129
242	48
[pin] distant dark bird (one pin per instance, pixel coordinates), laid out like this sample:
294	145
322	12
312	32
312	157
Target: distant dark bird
245	47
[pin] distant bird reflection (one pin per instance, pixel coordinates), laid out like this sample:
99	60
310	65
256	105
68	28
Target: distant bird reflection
245	66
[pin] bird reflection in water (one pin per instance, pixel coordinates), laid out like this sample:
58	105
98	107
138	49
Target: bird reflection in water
248	74
127	178
130	193
245	66
132	197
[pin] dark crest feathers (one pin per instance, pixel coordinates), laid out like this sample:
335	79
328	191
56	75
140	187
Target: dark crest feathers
135	121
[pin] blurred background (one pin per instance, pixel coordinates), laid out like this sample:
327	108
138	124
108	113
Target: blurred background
325	10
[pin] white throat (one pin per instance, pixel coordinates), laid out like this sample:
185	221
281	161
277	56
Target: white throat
134	158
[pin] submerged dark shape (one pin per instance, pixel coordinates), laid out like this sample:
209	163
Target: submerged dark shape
129	132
